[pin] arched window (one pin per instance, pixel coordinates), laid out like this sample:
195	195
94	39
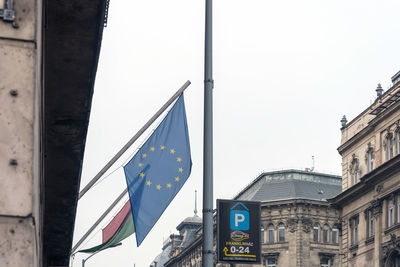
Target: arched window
325	234
335	236
270	234
281	232
316	232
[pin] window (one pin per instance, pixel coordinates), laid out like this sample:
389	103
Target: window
316	232
354	170
262	234
355	176
271	262
370	223
281	233
325	262
389	146
271	234
335	236
398	209
398	141
390	212
370	159
354	230
325	234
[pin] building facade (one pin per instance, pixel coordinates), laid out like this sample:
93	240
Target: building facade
370	202
47	70
299	227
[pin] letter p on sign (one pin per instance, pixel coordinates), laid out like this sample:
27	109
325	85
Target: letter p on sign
239	220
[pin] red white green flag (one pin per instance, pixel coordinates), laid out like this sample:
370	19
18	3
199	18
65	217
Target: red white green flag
120	227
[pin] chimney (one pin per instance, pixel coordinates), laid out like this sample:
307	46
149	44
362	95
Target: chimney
379	90
343	121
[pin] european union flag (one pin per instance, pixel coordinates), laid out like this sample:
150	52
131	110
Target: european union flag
158	170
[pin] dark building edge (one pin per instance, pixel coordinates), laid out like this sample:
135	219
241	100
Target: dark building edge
72	35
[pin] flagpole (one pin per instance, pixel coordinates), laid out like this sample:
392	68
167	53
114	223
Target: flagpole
99	220
208	251
133	139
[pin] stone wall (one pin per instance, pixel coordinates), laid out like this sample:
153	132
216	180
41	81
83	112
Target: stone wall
19	139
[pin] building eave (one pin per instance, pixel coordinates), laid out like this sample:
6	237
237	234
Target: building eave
368	129
262	175
72	37
367	182
370	107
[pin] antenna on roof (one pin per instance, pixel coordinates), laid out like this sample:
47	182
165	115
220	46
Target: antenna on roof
313	164
195	202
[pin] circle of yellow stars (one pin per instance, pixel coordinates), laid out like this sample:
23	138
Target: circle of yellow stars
142	174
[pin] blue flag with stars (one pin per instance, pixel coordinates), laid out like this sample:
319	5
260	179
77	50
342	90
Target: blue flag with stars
158	170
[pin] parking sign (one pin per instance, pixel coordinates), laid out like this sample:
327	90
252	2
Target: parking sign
238	227
239	219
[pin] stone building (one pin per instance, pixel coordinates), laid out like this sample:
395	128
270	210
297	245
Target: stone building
188	232
299	227
370	201
49	53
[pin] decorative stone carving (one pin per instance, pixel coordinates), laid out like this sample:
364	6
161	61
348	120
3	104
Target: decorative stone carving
274	255
354	165
376	206
292	224
338	225
393	245
379	188
387	136
306	224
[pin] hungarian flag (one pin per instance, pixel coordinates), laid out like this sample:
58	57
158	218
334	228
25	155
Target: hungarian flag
117	230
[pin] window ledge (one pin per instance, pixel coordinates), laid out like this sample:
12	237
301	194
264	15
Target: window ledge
353	247
326	244
370	240
391	228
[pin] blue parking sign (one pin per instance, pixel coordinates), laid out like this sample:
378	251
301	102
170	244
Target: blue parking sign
238	231
239	219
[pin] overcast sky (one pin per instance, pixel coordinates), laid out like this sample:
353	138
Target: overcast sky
285	73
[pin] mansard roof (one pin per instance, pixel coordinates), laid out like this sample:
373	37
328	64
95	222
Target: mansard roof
292	184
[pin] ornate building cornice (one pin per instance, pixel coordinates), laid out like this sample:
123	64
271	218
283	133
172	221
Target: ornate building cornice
392	246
